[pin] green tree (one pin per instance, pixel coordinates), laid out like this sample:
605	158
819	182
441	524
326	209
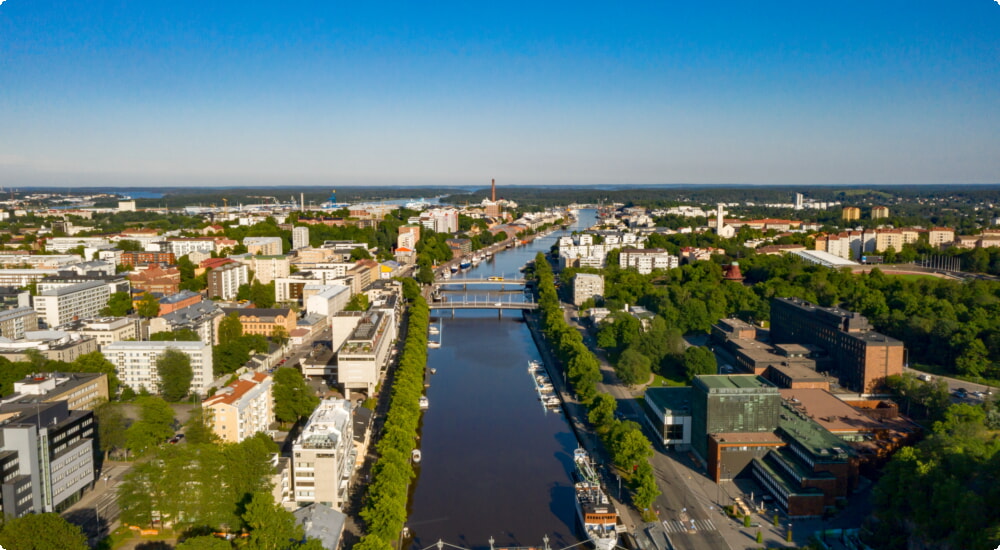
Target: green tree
174	368
279	335
293	399
230	328
148	306
205	542
111	427
602	411
271	526
182	335
360	254
155	425
262	295
633	367
128	245
119	305
358	302
96	362
41	532
699	360
197	429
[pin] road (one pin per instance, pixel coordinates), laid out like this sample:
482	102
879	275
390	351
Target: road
688	519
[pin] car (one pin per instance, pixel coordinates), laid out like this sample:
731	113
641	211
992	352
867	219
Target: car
176	439
961	392
978	394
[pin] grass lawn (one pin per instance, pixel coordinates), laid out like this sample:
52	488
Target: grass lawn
661	381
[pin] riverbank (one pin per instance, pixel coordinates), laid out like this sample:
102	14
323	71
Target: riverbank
576	414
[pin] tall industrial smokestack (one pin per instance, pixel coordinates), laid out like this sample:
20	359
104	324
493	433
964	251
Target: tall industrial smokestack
493	185
302	200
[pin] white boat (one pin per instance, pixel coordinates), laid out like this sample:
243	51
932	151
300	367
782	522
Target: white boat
596	512
533	366
553	401
445	275
424	402
415	455
433	344
433	330
434	371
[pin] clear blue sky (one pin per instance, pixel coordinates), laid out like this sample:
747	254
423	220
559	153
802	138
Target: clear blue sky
337	93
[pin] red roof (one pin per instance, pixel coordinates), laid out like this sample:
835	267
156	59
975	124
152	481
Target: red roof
213	263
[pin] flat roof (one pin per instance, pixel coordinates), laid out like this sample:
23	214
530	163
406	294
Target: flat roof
810	436
734	382
823	258
675	399
69	289
829	412
762	438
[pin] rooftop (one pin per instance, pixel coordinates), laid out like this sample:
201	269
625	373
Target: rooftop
716	382
810	436
677	399
70	289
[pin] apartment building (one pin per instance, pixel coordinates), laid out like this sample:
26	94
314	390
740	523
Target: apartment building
587	286
851	213
323	456
646	260
135	363
61	305
268	268
80	390
19	278
300	237
202	318
879	212
364	354
224	282
265	246
106	330
182	246
46	454
13	322
146	258
263	321
242	409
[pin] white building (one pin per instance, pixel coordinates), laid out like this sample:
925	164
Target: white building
186	245
365	353
581	250
265	246
62	244
300	237
327	301
135	363
267	268
64	304
646	260
586	286
323	456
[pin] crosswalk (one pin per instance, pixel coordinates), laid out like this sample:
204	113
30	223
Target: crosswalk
688	526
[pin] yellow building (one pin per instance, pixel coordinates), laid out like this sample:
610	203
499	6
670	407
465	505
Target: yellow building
241	409
879	212
851	213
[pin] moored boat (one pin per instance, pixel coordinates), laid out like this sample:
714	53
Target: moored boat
596	512
424	402
415	455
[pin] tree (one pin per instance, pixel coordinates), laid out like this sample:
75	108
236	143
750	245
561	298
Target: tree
155	425
633	367
41	532
279	335
174	368
699	360
182	335
205	542
148	307
128	245
271	526
262	295
96	362
197	429
358	302
293	399
359	253
119	305
602	411
230	328
111	427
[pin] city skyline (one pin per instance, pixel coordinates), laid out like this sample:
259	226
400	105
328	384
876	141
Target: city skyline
184	94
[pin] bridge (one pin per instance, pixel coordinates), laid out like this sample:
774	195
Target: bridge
466	282
482	303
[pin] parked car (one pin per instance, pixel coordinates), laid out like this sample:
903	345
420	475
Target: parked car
176	439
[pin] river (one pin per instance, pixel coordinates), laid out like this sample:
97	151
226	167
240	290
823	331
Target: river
494	463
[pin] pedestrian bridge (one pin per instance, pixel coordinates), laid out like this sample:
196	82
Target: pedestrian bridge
482	303
491	281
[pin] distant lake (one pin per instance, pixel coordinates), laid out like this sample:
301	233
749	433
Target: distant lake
141	194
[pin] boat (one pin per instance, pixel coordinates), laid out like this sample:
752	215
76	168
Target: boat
445	275
465	264
454	269
534	365
494	278
433	330
434	371
596	512
424	402
475	260
415	455
433	344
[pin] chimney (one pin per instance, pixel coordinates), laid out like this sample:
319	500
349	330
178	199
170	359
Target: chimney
493	187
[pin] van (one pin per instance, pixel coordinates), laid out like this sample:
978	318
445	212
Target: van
925	377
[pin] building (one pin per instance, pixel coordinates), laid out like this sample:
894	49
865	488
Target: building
80	390
157	280
146	258
54	345
587	286
645	260
670	416
13	322
224	282
115	282
322	523
264	321
181	300
799	201
47	456
584	250
268	268
365	353
861	357
326	300
408	237
19	278
733	420
62	244
880	212
300	237
323	456
182	246
851	213
61	305
940	236
106	330
732	329
201	317
135	363
241	409
264	246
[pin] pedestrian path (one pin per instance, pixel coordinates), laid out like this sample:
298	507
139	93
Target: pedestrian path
689	526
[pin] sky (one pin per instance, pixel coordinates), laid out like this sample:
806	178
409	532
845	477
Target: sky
195	93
